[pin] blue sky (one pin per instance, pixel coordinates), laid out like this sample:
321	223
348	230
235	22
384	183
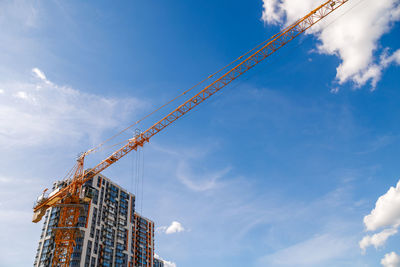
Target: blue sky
279	169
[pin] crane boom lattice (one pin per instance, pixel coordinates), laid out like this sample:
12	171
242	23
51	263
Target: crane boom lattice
70	198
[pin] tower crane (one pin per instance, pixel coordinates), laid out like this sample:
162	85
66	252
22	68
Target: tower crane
72	194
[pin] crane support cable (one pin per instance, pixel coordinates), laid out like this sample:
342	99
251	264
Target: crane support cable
275	43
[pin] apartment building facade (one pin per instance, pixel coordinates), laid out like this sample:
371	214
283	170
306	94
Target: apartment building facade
143	241
112	234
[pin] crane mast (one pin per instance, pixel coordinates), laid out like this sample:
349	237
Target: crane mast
71	197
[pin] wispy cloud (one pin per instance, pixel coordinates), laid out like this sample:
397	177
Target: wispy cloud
34	112
329	237
199	182
38	73
205	178
351	33
378	143
275	217
313	252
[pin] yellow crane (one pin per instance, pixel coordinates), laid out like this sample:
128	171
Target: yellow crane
72	194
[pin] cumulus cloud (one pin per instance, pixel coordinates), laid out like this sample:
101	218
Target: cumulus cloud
386	211
175	227
391	260
386	214
35	112
377	240
352	33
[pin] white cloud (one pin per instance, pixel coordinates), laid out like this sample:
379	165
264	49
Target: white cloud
352	33
390	59
175	227
391	260
21	94
31	117
386	211
385	214
1	91
39	74
377	240
335	90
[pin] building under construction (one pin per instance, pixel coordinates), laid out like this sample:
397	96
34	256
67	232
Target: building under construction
111	233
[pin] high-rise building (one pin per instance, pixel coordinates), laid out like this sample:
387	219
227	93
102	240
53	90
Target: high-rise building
111	233
143	241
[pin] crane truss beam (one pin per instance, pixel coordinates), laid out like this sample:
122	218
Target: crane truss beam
66	231
279	40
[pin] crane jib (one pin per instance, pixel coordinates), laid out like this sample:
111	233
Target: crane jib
278	41
72	194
